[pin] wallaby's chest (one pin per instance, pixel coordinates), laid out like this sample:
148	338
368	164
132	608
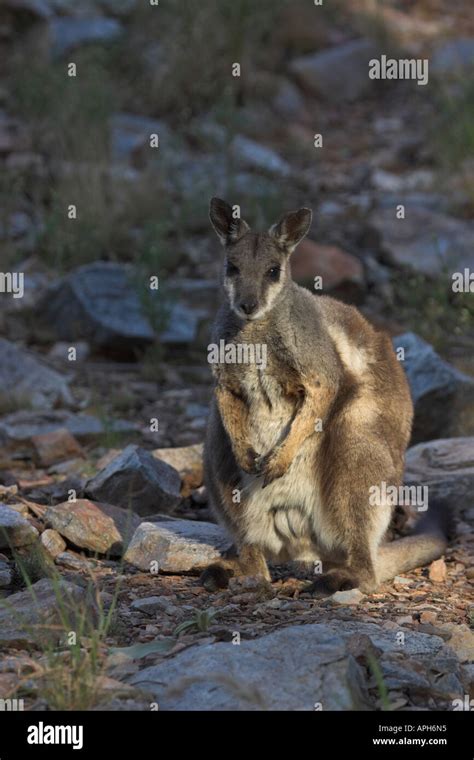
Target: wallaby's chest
270	409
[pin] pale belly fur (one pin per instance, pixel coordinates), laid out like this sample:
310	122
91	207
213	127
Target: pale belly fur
285	519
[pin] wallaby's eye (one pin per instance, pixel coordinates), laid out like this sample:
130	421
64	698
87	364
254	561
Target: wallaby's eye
274	273
231	269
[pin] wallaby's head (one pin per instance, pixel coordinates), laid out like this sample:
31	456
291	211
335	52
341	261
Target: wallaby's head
256	267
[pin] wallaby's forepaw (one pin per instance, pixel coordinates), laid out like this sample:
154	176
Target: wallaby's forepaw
272	466
249	461
215	577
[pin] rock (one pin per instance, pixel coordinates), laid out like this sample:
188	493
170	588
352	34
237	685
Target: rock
125	521
35	617
177	546
296	668
19	428
453	58
288	101
188	462
84	525
443	396
67	34
428	617
438	571
6	574
352	596
182	325
15	530
462	640
29	379
336	267
290	669
53	542
136	480
426	241
56	446
130	138
150	605
251	155
340	73
98	303
73	561
446	465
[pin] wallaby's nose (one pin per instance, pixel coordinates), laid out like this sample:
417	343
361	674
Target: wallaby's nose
248	307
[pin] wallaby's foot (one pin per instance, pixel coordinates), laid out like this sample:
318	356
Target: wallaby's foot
342	579
249	562
216	577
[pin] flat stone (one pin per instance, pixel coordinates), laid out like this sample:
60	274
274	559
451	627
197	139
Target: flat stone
68	33
339	73
438	571
352	596
254	156
188	462
53	542
291	669
177	545
28	378
150	605
83	524
15	530
33	617
461	641
335	266
443	396
425	241
138	481
56	446
98	303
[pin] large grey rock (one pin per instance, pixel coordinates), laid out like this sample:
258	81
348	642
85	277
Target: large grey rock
446	466
27	377
454	57
18	428
36	616
294	669
136	480
443	396
67	34
84	524
177	545
15	530
98	303
426	241
291	669
340	73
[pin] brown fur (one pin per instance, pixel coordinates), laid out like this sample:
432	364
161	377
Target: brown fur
283	487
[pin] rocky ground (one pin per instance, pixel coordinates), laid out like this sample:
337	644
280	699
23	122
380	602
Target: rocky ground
105	522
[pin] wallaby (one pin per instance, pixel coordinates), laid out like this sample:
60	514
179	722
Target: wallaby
293	447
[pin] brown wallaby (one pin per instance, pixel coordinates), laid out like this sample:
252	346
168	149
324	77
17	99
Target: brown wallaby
293	448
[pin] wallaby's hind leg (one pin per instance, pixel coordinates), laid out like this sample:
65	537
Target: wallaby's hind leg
249	562
348	514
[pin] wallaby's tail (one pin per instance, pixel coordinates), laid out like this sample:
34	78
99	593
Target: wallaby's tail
427	543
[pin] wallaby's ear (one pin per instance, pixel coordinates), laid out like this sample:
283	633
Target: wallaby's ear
229	229
290	230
